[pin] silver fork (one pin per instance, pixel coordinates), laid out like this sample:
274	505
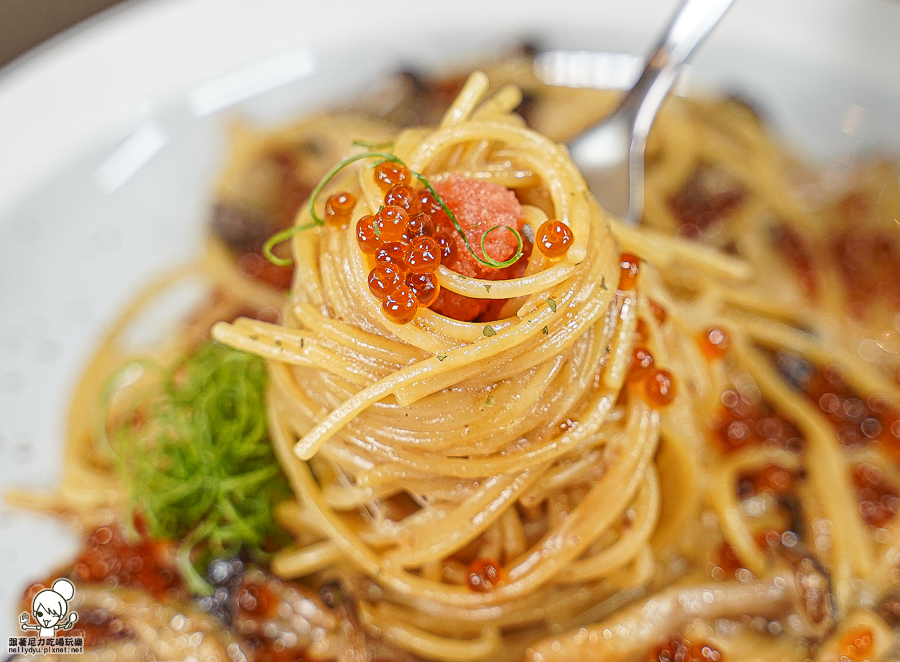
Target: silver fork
611	154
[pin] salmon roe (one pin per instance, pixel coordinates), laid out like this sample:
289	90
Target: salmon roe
400	306
419	225
483	575
641	362
339	207
366	237
424	255
384	279
425	286
715	342
396	253
879	499
629	267
403	241
655	385
388	174
554	238
659	387
772	479
390	222
447	245
402	195
744	420
856	643
428	203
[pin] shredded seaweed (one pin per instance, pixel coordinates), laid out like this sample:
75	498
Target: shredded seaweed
198	463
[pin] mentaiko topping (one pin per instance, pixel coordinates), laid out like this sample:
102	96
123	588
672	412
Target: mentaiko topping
415	231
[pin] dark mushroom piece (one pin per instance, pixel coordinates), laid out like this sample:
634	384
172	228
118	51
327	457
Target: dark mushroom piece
803	588
889	608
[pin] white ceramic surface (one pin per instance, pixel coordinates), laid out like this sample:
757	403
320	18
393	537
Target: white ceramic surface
109	137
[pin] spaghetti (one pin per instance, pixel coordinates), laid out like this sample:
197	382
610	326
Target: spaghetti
631	454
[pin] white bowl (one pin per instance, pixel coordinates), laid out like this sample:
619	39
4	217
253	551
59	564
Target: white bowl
110	135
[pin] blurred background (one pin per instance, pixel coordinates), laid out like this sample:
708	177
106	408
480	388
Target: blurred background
25	24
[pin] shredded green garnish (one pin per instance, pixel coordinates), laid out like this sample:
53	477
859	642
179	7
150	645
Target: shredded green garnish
545	331
441	357
552	304
384	146
488	330
318	221
489	401
198	462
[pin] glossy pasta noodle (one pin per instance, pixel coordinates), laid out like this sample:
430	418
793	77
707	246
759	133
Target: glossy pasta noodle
569	478
470	426
527	446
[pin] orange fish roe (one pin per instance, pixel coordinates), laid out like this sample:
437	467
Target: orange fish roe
419	225
411	236
366	237
424	255
715	342
400	237
338	208
658	312
553	238
430	205
659	387
483	575
384	279
868	263
641	362
390	222
396	253
478	206
727	561
425	286
856	643
403	195
400	305
654	385
447	245
629	266
110	558
389	174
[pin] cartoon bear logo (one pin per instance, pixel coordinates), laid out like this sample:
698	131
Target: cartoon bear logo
48	609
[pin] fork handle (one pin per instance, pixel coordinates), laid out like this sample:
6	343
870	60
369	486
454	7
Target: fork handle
689	26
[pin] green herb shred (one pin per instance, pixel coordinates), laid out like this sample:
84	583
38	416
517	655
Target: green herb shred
199	464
